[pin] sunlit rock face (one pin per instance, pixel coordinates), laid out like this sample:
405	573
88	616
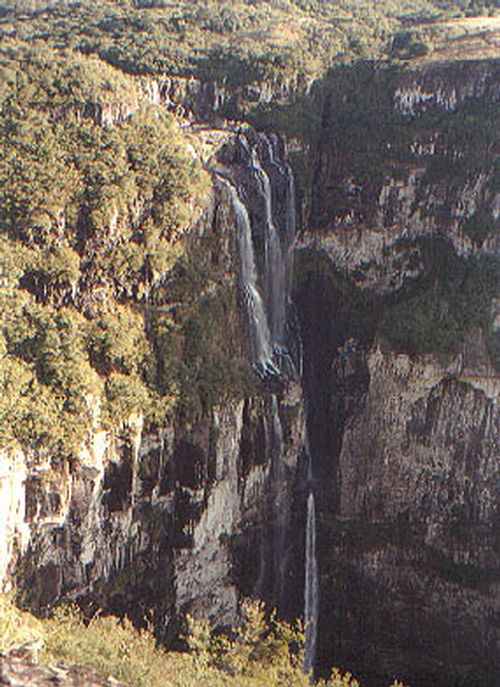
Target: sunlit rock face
194	99
13	528
447	88
402	156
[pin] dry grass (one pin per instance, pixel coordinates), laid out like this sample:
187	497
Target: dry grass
468	38
474	24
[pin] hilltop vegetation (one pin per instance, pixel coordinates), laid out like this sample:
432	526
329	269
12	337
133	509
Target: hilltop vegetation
91	215
238	41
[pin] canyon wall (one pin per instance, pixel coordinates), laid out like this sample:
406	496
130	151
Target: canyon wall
404	428
159	520
389	344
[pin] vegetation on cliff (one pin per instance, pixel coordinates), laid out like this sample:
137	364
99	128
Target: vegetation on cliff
103	297
98	191
452	296
440	161
432	314
260	652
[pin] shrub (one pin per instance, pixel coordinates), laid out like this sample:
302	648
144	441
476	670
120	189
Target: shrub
260	651
453	295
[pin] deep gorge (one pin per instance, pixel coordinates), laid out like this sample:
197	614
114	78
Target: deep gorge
339	365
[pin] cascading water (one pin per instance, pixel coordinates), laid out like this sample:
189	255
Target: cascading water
268	321
279	481
261	338
276	296
275	287
311	581
311	587
291	226
279	267
286	171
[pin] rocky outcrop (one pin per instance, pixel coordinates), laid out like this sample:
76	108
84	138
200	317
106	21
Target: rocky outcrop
155	521
14	531
447	87
158	521
195	99
241	503
21	667
421	162
404	447
411	567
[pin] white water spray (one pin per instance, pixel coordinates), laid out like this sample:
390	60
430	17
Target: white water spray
279	506
311	581
311	587
275	285
261	338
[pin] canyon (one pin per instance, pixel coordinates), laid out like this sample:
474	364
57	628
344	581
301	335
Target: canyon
357	483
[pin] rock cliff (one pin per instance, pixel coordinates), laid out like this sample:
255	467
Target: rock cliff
404	432
389	344
158	520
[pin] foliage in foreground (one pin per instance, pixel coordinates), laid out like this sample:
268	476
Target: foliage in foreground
258	653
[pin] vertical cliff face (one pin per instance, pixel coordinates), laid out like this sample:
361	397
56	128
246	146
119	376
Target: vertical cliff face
391	501
163	522
400	382
160	520
402	156
412	560
13	527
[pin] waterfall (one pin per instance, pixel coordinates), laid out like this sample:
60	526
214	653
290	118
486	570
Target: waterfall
275	286
280	248
279	509
268	338
273	338
311	581
267	314
273	433
288	240
259	329
291	226
311	586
